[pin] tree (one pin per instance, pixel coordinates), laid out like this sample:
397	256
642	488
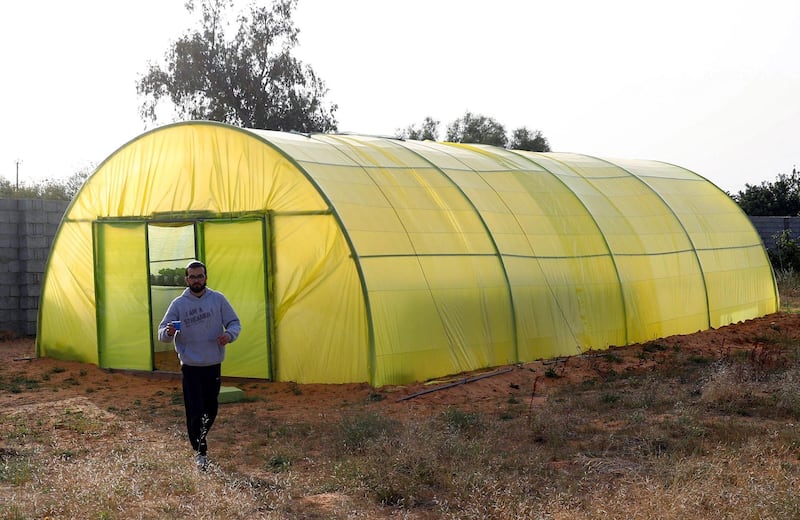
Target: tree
74	182
250	80
476	128
429	130
786	253
525	139
50	189
779	198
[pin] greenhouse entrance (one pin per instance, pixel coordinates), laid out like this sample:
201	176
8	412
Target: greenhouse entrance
139	267
171	247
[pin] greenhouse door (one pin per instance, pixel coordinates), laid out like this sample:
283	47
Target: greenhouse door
236	257
122	294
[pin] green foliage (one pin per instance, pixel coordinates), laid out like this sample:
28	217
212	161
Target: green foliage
532	140
249	79
476	128
169	277
15	467
18	383
551	372
460	420
778	198
654	346
359	431
278	462
429	130
609	398
786	253
48	189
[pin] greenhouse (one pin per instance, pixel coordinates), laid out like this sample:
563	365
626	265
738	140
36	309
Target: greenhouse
369	259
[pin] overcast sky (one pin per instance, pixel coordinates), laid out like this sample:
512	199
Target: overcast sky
710	85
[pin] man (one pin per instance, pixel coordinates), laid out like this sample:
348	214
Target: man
207	323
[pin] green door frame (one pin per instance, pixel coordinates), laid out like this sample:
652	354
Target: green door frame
236	254
122	288
122	295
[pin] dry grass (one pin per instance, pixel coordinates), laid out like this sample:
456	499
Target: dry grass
700	438
72	460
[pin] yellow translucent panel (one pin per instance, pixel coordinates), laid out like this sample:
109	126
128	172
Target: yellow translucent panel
194	168
664	295
67	327
739	287
198	168
438	315
124	335
565	306
320	317
241	278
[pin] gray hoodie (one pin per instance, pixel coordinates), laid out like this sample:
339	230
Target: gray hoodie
202	320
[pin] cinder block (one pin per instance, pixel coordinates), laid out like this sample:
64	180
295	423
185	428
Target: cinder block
56	206
8	249
9	242
9	217
29	328
29	204
7	322
10	266
230	394
35	216
35	266
32	278
51	227
33	242
33	228
9	304
28	302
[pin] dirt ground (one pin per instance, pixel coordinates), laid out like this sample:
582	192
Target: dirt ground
484	391
80	413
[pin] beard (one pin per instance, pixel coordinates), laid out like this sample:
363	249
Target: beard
197	287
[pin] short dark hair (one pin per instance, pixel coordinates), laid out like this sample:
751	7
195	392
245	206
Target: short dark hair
194	264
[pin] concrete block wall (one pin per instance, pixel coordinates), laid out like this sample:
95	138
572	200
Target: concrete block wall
768	227
27	230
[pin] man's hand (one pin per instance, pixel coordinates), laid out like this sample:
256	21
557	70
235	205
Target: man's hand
224	339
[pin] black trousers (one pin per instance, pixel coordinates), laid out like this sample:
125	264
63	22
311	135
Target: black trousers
200	398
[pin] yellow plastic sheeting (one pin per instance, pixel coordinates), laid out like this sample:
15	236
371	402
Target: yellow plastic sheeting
241	277
564	306
566	291
438	315
195	167
320	318
734	263
413	229
206	168
392	261
122	300
657	266
67	327
732	275
737	270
